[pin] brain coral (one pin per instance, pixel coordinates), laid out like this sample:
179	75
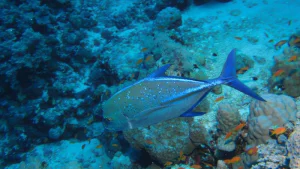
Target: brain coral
293	147
228	117
277	111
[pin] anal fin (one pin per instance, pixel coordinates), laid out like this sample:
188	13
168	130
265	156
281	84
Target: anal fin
192	114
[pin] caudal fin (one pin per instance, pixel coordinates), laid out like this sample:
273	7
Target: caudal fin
229	76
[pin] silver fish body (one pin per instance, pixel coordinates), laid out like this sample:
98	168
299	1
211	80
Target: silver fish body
159	98
153	100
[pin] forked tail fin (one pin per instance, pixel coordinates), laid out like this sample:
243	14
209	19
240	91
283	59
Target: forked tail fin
228	75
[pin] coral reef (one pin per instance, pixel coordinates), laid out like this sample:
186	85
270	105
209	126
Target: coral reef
165	140
288	81
228	117
121	161
293	147
78	155
224	145
271	155
278	110
168	18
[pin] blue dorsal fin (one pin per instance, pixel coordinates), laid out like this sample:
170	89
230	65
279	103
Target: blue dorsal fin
161	71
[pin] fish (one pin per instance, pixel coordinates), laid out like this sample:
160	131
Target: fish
144	49
99	146
149	142
168	163
83	146
159	98
219	98
267	36
280	43
278	73
138	62
278	131
115	145
181	156
238	38
233	160
294	41
252	151
148	58
242	70
210	165
297	40
228	141
90	121
240	126
245	68
289	22
196	166
271	41
293	58
229	134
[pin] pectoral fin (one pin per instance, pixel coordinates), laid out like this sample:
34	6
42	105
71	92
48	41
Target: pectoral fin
160	72
149	111
189	112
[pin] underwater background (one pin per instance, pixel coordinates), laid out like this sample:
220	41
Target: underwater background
61	59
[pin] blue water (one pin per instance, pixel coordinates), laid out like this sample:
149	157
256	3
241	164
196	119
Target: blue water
60	60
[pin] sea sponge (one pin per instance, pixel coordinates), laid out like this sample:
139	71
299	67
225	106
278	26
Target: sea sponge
293	146
278	110
228	117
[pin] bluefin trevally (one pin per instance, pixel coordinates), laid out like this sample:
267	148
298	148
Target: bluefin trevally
159	97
